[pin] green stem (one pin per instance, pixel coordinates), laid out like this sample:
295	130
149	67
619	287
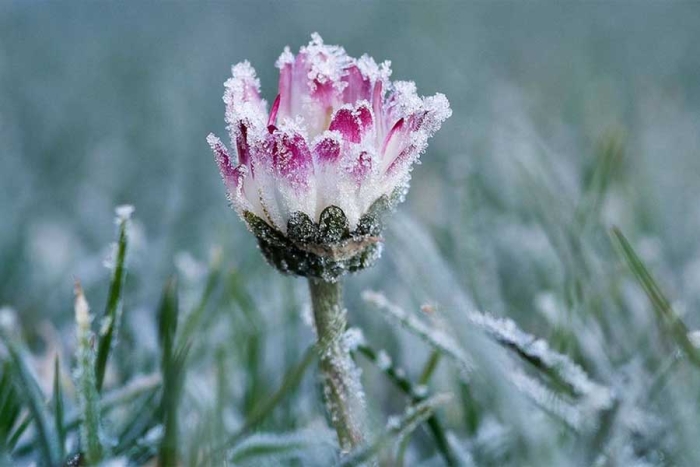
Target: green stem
342	387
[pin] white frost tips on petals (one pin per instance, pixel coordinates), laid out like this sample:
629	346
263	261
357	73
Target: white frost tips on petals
404	99
438	110
242	85
327	63
285	58
243	102
370	70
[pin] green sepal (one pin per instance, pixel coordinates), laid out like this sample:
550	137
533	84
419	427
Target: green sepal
301	229
372	222
333	225
326	250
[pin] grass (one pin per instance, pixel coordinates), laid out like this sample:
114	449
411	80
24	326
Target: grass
594	364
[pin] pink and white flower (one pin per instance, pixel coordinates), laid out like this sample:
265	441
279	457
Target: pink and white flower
339	133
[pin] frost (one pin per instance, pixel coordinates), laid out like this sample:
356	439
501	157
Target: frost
82	310
189	267
353	338
110	260
124	213
8	319
369	68
383	360
154	435
436	338
393	422
594	397
307	316
547	399
694	337
507	333
311	446
286	58
420	390
327	63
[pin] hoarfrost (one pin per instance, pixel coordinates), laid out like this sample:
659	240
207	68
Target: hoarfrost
383	360
436	338
506	332
110	261
8	319
353	338
124	212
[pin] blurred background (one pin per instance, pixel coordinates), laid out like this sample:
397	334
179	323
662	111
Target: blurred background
103	104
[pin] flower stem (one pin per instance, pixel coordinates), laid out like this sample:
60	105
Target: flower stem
341	378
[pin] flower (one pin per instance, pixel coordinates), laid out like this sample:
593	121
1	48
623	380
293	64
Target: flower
336	148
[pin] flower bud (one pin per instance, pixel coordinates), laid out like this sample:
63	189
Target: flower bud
316	174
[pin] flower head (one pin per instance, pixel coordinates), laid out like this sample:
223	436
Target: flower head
335	149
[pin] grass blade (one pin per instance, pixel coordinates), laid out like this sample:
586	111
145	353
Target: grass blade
112	314
86	382
58	410
396	429
10	408
173	363
660	303
278	447
417	395
290	381
434	337
27	386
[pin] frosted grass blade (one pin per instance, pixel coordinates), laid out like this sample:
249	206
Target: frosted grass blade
396	429
660	303
58	409
114	298
27	386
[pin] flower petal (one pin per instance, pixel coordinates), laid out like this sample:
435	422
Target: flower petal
242	95
352	123
357	86
232	176
286	65
273	112
327	149
291	158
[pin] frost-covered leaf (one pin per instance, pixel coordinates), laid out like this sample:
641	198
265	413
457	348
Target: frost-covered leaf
315	446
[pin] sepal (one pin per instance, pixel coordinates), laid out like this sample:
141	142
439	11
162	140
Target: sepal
325	250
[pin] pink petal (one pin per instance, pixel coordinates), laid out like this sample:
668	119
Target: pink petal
352	123
285	87
242	146
291	158
231	175
357	86
327	150
398	126
405	158
347	124
361	167
241	89
377	106
273	111
365	117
